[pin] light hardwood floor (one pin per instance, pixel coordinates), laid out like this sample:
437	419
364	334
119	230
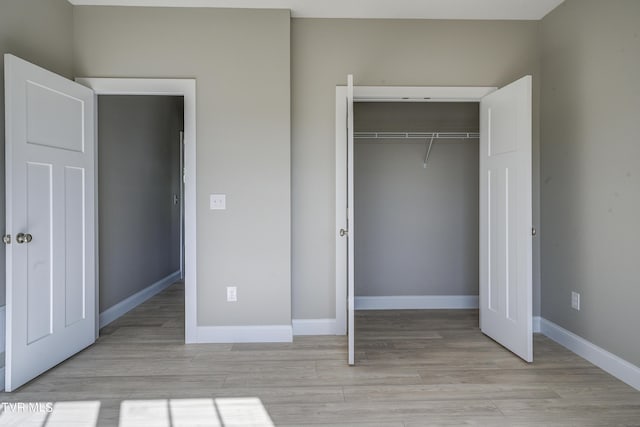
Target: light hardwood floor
414	368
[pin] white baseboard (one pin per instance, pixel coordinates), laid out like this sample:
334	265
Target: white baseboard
126	305
314	326
600	357
536	324
243	334
416	302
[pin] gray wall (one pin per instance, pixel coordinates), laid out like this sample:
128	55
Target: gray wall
416	228
138	174
380	52
40	32
240	59
589	169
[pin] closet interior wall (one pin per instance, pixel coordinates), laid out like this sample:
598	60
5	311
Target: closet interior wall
416	228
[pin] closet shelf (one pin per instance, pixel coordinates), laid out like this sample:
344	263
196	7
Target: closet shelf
413	137
416	135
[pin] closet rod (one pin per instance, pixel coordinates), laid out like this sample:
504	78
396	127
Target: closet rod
416	135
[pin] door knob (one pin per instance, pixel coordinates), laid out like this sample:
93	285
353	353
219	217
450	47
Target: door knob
343	232
24	238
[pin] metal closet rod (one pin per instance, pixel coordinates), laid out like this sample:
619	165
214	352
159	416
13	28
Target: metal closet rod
416	135
428	137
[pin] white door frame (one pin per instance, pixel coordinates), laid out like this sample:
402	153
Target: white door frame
377	94
172	87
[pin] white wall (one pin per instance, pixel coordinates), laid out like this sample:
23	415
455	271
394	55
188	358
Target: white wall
417	228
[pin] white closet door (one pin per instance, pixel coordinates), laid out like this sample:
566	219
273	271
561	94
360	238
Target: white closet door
506	217
350	225
345	314
50	173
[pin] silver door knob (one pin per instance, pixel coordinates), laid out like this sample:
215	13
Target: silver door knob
24	238
343	232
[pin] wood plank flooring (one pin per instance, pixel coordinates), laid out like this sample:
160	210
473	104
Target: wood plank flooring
414	368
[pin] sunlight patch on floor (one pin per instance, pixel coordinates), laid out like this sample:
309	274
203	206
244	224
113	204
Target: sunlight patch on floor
222	412
246	411
46	414
193	412
74	414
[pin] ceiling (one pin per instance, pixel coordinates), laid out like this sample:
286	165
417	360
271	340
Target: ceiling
398	9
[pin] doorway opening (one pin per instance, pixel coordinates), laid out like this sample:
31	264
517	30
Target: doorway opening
186	90
141	209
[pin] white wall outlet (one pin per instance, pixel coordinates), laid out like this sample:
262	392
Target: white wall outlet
218	202
575	300
232	294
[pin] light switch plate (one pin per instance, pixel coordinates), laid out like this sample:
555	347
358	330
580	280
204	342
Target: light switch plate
575	300
232	294
218	202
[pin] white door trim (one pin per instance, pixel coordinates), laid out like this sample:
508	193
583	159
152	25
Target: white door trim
172	87
378	94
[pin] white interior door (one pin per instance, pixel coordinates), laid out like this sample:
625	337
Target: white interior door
506	218
350	226
50	177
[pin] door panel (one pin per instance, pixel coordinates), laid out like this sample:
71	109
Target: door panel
39	268
53	118
50	175
74	244
506	217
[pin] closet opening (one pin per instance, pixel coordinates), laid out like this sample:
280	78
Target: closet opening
416	192
504	208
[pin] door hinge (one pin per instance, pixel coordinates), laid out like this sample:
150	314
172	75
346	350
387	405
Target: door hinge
534	231
6	238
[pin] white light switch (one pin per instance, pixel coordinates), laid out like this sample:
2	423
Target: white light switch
575	300
218	202
232	294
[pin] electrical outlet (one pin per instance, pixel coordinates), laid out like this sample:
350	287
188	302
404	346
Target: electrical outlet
232	294
575	300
